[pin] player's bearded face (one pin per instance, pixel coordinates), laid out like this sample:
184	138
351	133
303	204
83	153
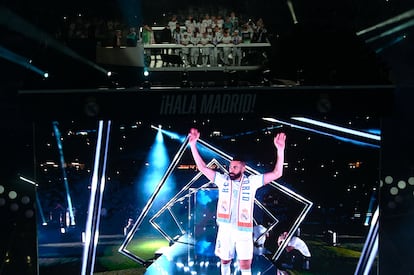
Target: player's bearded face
234	176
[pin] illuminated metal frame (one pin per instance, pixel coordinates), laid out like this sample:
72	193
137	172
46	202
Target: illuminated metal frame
95	203
186	188
307	205
123	248
370	248
178	197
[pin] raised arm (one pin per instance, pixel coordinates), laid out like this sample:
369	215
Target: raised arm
209	173
279	142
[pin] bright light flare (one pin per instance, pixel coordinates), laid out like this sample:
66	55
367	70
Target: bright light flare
292	12
29	181
338	128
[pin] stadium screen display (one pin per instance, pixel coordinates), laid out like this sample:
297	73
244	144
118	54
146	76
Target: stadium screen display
115	167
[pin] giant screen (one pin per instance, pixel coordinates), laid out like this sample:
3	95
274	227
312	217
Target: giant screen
118	189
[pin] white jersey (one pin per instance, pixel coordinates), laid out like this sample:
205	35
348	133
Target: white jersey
191	26
172	25
185	40
226	39
217	38
237	39
195	40
205	40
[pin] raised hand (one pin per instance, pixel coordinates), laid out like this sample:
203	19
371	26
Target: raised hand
194	135
280	141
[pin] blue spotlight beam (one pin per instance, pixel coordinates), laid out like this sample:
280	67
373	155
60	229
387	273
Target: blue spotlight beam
29	181
18	24
65	177
122	249
372	141
158	161
168	206
391	43
39	205
169	133
292	12
338	128
20	60
95	203
393	20
399	28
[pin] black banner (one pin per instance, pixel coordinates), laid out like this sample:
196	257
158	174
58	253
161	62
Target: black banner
166	102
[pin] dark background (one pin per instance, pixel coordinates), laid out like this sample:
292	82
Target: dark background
323	46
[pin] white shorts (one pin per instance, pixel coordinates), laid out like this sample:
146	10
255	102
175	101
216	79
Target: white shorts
230	241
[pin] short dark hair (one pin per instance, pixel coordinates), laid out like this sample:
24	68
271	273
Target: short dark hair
239	158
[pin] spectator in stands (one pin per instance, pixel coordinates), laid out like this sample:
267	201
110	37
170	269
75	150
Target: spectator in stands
206	48
147	35
260	32
237	51
220	21
116	40
185	51
234	21
205	23
246	33
147	38
226	40
176	34
228	24
172	23
217	52
191	24
195	50
132	38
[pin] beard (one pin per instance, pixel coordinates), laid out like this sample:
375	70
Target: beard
234	176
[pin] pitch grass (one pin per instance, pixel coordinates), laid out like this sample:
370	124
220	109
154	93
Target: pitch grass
113	261
326	259
108	260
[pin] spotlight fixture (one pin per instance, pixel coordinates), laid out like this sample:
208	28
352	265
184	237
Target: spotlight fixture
146	72
146	81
